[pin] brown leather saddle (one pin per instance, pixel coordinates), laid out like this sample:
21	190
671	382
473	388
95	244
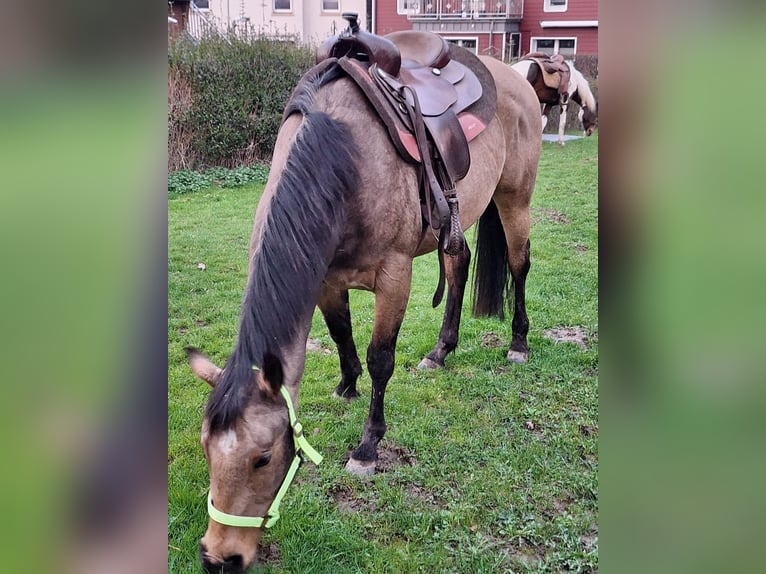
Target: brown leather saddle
433	98
555	72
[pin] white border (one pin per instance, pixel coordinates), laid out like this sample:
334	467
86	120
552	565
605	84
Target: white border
569	24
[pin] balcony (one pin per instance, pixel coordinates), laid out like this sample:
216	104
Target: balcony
465	10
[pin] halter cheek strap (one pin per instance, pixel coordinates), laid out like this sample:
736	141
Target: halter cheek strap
272	514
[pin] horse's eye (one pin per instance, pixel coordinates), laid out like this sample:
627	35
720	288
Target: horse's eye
262	461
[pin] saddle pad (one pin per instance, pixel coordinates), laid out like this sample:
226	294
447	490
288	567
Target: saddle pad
485	107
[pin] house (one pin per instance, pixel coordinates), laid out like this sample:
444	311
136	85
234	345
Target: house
567	27
483	26
505	29
310	20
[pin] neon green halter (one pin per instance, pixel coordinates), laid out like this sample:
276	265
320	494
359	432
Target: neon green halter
272	514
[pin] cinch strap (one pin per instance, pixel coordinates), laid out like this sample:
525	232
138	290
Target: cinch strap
272	515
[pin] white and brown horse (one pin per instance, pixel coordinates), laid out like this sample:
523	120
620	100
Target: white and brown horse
341	210
578	91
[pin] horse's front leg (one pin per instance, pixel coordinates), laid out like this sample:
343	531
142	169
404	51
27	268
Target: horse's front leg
392	290
456	269
333	304
562	123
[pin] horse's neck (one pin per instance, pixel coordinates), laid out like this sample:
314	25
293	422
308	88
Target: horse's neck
579	89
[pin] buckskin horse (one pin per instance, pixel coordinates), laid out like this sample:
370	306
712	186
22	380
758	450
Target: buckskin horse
575	88
342	209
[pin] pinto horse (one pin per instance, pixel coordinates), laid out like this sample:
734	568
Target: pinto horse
579	92
341	210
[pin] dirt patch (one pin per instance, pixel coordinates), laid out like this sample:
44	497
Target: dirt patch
580	247
576	335
589	430
426	496
551	215
391	455
315	345
490	340
268	554
518	549
349	502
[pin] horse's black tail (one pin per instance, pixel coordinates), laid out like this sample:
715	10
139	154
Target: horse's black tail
491	268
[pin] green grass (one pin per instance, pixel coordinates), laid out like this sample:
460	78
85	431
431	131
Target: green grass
473	488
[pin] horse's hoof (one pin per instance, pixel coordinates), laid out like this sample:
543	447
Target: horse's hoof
360	468
517	356
430	364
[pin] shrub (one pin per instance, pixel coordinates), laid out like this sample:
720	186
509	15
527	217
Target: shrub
189	181
226	96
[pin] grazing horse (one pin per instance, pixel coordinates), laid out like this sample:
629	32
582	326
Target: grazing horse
341	210
579	91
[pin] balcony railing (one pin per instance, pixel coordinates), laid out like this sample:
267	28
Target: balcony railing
465	9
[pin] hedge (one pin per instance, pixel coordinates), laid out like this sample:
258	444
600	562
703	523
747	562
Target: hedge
226	96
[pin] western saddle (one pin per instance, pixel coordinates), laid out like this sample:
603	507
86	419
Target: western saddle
555	72
433	98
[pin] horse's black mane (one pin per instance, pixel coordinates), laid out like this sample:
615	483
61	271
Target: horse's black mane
299	239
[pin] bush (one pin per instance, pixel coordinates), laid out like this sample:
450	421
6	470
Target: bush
226	96
189	181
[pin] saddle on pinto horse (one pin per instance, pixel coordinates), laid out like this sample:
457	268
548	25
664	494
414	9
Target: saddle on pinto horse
555	72
433	98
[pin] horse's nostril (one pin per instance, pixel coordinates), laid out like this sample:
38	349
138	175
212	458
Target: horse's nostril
231	564
233	561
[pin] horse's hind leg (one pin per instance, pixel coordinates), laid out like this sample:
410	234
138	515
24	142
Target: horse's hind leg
514	215
334	306
519	351
392	290
456	269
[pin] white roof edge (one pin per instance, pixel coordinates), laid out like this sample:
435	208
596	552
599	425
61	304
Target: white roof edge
569	24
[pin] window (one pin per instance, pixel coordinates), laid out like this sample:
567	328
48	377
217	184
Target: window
330	5
283	5
555	6
513	47
467	43
564	46
407	6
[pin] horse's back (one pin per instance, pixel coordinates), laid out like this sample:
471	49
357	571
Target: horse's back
518	111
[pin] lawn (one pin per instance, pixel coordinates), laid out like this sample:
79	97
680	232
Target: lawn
486	466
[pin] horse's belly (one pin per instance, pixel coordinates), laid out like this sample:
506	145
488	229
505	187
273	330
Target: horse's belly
350	279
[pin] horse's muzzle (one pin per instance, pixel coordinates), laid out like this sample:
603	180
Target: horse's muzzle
231	564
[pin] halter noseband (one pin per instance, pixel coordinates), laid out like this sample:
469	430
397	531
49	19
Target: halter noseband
272	514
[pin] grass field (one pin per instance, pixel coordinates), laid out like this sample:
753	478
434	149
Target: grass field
486	466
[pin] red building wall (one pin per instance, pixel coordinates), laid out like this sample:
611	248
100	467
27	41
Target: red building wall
587	38
387	20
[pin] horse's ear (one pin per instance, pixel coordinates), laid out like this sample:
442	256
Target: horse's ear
271	376
203	367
